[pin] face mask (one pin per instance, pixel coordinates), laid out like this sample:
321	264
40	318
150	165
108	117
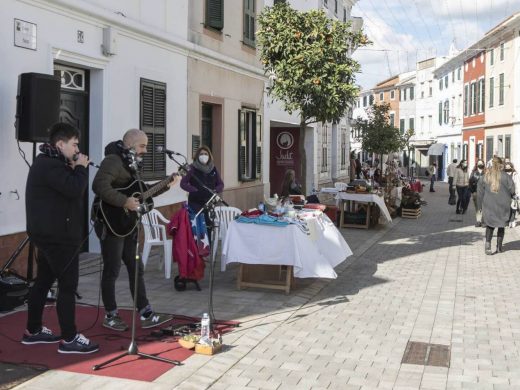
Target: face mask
204	158
480	166
508	170
464	165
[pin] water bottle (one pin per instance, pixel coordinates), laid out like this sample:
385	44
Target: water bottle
204	329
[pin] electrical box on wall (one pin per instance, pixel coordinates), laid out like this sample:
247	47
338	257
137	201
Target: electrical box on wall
109	45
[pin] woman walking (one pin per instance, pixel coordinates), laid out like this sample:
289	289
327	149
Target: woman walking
510	170
476	174
461	182
494	193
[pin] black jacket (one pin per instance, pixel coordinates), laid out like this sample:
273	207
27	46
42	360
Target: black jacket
54	201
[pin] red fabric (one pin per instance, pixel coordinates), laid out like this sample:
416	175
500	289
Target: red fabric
315	206
417	186
252	213
111	344
185	250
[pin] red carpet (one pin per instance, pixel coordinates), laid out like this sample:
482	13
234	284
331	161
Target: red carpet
111	344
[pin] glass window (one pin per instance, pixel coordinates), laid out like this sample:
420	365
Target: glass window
381	96
473	98
207	124
446	81
492	57
446	111
392	120
324	148
249	145
489	148
412	123
459	71
502	50
466	100
364	101
412	93
440	113
401	126
440	85
392	94
482	95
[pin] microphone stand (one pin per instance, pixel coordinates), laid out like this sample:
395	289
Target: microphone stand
209	207
133	349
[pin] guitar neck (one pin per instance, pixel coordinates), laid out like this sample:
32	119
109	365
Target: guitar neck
158	187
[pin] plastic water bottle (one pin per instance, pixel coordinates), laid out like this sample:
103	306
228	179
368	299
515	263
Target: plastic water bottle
204	329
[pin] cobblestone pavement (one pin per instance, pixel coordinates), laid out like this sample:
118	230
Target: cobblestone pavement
424	280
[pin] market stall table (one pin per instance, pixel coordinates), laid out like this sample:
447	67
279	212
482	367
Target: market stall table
346	199
307	254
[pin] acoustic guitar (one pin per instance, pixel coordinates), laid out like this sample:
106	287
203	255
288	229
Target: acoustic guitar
121	221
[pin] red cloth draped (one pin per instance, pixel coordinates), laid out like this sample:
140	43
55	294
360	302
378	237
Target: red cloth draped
185	251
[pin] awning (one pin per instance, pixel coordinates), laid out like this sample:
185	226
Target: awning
436	149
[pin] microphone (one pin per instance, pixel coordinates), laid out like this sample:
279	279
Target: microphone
162	149
75	158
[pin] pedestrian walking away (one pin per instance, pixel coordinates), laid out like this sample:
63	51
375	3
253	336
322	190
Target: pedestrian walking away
57	182
494	193
461	183
476	174
433	177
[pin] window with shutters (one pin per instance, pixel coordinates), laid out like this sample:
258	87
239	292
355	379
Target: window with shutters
446	111
324	148
440	113
249	22
249	145
481	94
491	92
489	148
466	100
465	152
507	146
473	98
501	89
153	123
401	126
214	14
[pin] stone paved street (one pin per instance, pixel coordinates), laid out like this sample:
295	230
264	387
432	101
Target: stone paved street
424	280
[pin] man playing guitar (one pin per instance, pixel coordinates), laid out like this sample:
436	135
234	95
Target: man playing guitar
114	175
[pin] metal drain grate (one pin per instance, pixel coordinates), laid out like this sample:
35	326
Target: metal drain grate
427	354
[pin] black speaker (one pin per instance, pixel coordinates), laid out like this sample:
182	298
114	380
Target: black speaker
37	106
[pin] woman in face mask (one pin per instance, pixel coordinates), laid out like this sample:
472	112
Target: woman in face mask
201	176
461	182
510	170
477	172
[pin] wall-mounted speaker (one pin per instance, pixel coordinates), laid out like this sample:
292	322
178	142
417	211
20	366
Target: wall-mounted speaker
37	106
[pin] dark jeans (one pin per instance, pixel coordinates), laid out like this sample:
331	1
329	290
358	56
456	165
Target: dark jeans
432	180
462	198
55	262
450	184
114	249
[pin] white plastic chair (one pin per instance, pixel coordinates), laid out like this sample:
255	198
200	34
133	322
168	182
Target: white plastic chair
224	215
155	234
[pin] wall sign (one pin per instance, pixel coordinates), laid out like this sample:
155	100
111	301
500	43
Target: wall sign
24	34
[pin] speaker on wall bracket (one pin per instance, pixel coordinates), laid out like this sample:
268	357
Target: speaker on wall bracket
37	106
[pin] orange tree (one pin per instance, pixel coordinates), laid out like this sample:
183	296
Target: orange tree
307	58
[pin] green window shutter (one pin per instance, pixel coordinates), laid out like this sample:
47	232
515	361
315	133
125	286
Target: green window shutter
249	22
258	160
440	113
215	14
242	146
153	123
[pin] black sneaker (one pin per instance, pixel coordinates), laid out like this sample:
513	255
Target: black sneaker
44	336
154	319
80	344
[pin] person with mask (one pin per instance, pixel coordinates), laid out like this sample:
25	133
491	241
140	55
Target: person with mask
494	193
56	185
510	170
451	174
476	174
116	172
200	174
461	182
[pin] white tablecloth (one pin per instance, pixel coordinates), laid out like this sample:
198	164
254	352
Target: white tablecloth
366	198
313	255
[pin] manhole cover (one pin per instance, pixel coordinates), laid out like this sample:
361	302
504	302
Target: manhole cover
427	354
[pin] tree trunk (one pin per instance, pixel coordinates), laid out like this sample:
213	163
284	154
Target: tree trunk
303	158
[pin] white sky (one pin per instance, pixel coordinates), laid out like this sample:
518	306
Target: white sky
406	31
